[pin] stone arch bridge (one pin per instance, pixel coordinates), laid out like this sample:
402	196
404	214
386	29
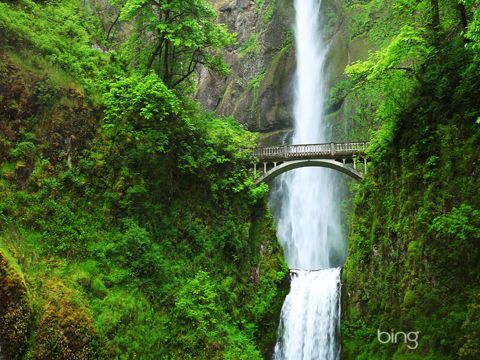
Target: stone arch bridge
347	157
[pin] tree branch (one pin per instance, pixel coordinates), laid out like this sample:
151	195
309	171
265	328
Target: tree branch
191	68
113	24
155	52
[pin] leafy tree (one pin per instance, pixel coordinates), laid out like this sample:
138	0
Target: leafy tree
405	52
472	33
173	37
140	111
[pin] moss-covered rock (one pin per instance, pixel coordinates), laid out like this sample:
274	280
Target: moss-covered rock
15	309
44	107
414	245
65	329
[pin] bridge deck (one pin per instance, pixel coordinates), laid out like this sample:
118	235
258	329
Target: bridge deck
310	151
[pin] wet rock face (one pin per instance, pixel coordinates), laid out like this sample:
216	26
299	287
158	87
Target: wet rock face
15	311
258	90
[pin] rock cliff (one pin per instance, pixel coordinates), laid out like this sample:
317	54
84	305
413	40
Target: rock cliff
257	92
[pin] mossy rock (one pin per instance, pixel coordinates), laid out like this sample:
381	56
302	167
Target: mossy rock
470	348
65	329
46	104
15	309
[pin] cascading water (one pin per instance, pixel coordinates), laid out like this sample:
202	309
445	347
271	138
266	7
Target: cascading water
309	319
309	221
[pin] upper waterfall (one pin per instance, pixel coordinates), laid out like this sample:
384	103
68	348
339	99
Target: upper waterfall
309	223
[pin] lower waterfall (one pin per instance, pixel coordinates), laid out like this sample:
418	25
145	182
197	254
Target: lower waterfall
310	315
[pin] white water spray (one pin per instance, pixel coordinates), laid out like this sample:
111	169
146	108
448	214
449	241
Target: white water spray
309	222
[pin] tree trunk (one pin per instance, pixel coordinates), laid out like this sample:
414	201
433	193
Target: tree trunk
166	58
435	15
463	20
113	24
156	52
435	23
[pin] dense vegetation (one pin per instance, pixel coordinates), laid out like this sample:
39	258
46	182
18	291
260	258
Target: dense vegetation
415	238
129	225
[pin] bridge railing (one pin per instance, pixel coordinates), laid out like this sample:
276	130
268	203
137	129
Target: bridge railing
330	150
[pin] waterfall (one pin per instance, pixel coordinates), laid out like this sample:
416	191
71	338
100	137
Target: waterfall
309	221
309	320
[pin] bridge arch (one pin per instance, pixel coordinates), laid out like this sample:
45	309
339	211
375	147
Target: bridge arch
296	164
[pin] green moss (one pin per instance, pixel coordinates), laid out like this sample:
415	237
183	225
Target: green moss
269	11
254	83
409	298
251	46
414	250
65	328
419	267
15	308
33	63
471	344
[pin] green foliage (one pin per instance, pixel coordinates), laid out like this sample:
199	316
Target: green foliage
409	45
414	242
132	213
23	150
473	31
182	29
139	113
199	306
57	31
363	14
471	347
459	233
